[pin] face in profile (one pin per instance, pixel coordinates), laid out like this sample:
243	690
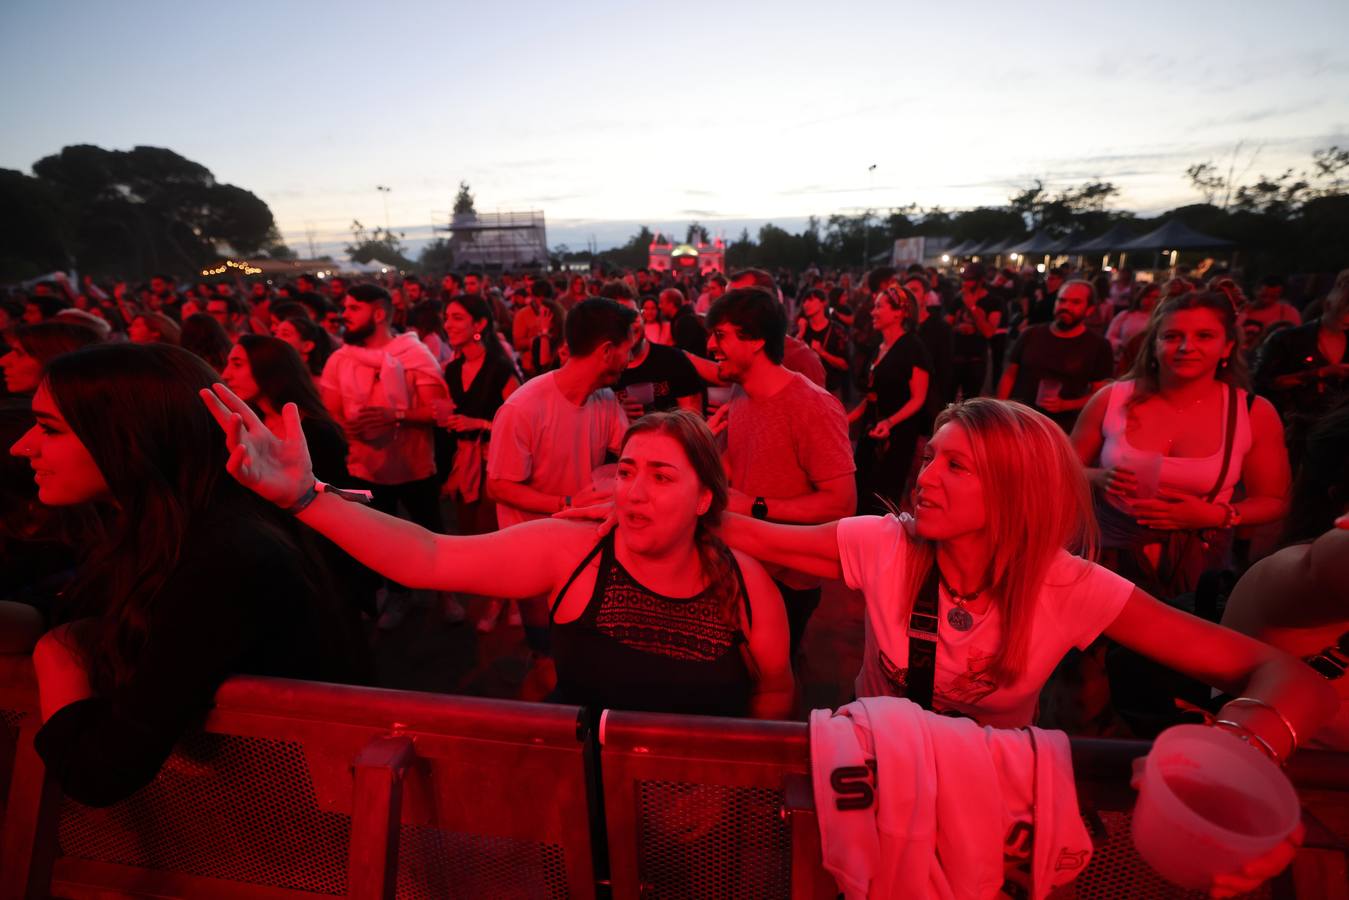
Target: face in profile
238	375
657	494
21	370
65	471
948	496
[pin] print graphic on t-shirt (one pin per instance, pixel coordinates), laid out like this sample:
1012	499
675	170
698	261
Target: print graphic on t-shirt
972	685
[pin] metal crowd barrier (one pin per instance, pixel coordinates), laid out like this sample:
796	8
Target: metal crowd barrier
303	790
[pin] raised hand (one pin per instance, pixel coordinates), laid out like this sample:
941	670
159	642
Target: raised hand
275	468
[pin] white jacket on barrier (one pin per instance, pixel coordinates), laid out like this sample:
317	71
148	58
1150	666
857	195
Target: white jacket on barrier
917	805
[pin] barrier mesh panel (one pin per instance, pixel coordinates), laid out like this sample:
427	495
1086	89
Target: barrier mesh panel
712	841
237	808
10	722
1116	870
435	864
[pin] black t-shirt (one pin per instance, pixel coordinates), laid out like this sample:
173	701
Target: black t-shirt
669	373
974	344
1075	363
833	337
890	377
238	601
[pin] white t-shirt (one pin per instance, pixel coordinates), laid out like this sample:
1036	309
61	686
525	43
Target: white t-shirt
1078	601
542	439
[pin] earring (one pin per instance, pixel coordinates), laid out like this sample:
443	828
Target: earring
1223	364
477	336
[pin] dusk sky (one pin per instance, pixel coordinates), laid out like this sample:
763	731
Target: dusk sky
610	115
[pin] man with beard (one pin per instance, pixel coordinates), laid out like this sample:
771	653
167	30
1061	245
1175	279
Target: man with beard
380	388
658	378
1057	367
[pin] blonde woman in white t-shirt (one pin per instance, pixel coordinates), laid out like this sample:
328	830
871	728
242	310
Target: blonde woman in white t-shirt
1000	506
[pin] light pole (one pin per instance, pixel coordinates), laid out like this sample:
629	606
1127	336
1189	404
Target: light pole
866	214
385	192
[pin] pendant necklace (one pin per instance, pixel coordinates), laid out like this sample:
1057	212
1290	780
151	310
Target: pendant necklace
958	616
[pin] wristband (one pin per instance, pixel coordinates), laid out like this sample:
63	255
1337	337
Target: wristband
309	496
351	495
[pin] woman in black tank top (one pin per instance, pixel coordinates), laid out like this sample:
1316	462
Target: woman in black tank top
660	616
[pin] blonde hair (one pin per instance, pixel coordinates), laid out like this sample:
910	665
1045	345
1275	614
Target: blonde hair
1038	502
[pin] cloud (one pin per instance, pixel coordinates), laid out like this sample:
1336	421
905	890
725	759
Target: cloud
698	213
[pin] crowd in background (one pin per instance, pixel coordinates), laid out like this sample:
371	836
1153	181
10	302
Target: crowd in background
1208	416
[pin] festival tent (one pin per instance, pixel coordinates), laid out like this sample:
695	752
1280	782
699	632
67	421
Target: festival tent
1116	237
1174	235
1037	244
964	248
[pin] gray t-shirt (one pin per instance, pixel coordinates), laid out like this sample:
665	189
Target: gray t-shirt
787	445
542	439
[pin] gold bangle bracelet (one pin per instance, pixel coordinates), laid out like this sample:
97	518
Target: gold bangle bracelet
1256	701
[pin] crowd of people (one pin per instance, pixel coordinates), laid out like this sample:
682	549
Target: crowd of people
1066	497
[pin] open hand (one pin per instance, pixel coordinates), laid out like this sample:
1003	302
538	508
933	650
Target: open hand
717	423
1258	871
275	468
601	513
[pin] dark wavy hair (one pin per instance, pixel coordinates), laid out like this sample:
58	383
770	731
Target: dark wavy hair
695	438
313	332
46	340
479	309
136	408
205	337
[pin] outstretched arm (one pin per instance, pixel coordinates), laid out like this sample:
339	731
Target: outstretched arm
812	549
1232	662
278	470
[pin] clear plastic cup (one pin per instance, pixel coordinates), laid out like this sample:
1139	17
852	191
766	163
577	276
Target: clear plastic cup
719	395
442	409
1047	389
603	478
1147	468
643	392
1209	803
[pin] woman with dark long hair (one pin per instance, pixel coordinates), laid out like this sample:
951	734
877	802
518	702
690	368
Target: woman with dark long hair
690	626
480	378
267	373
187	578
309	340
203	335
34	345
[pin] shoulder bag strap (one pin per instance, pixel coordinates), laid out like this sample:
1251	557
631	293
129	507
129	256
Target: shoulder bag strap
923	641
1228	439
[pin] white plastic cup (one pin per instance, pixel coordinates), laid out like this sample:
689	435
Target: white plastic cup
603	478
442	409
1047	389
719	395
643	392
1208	803
1147	469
